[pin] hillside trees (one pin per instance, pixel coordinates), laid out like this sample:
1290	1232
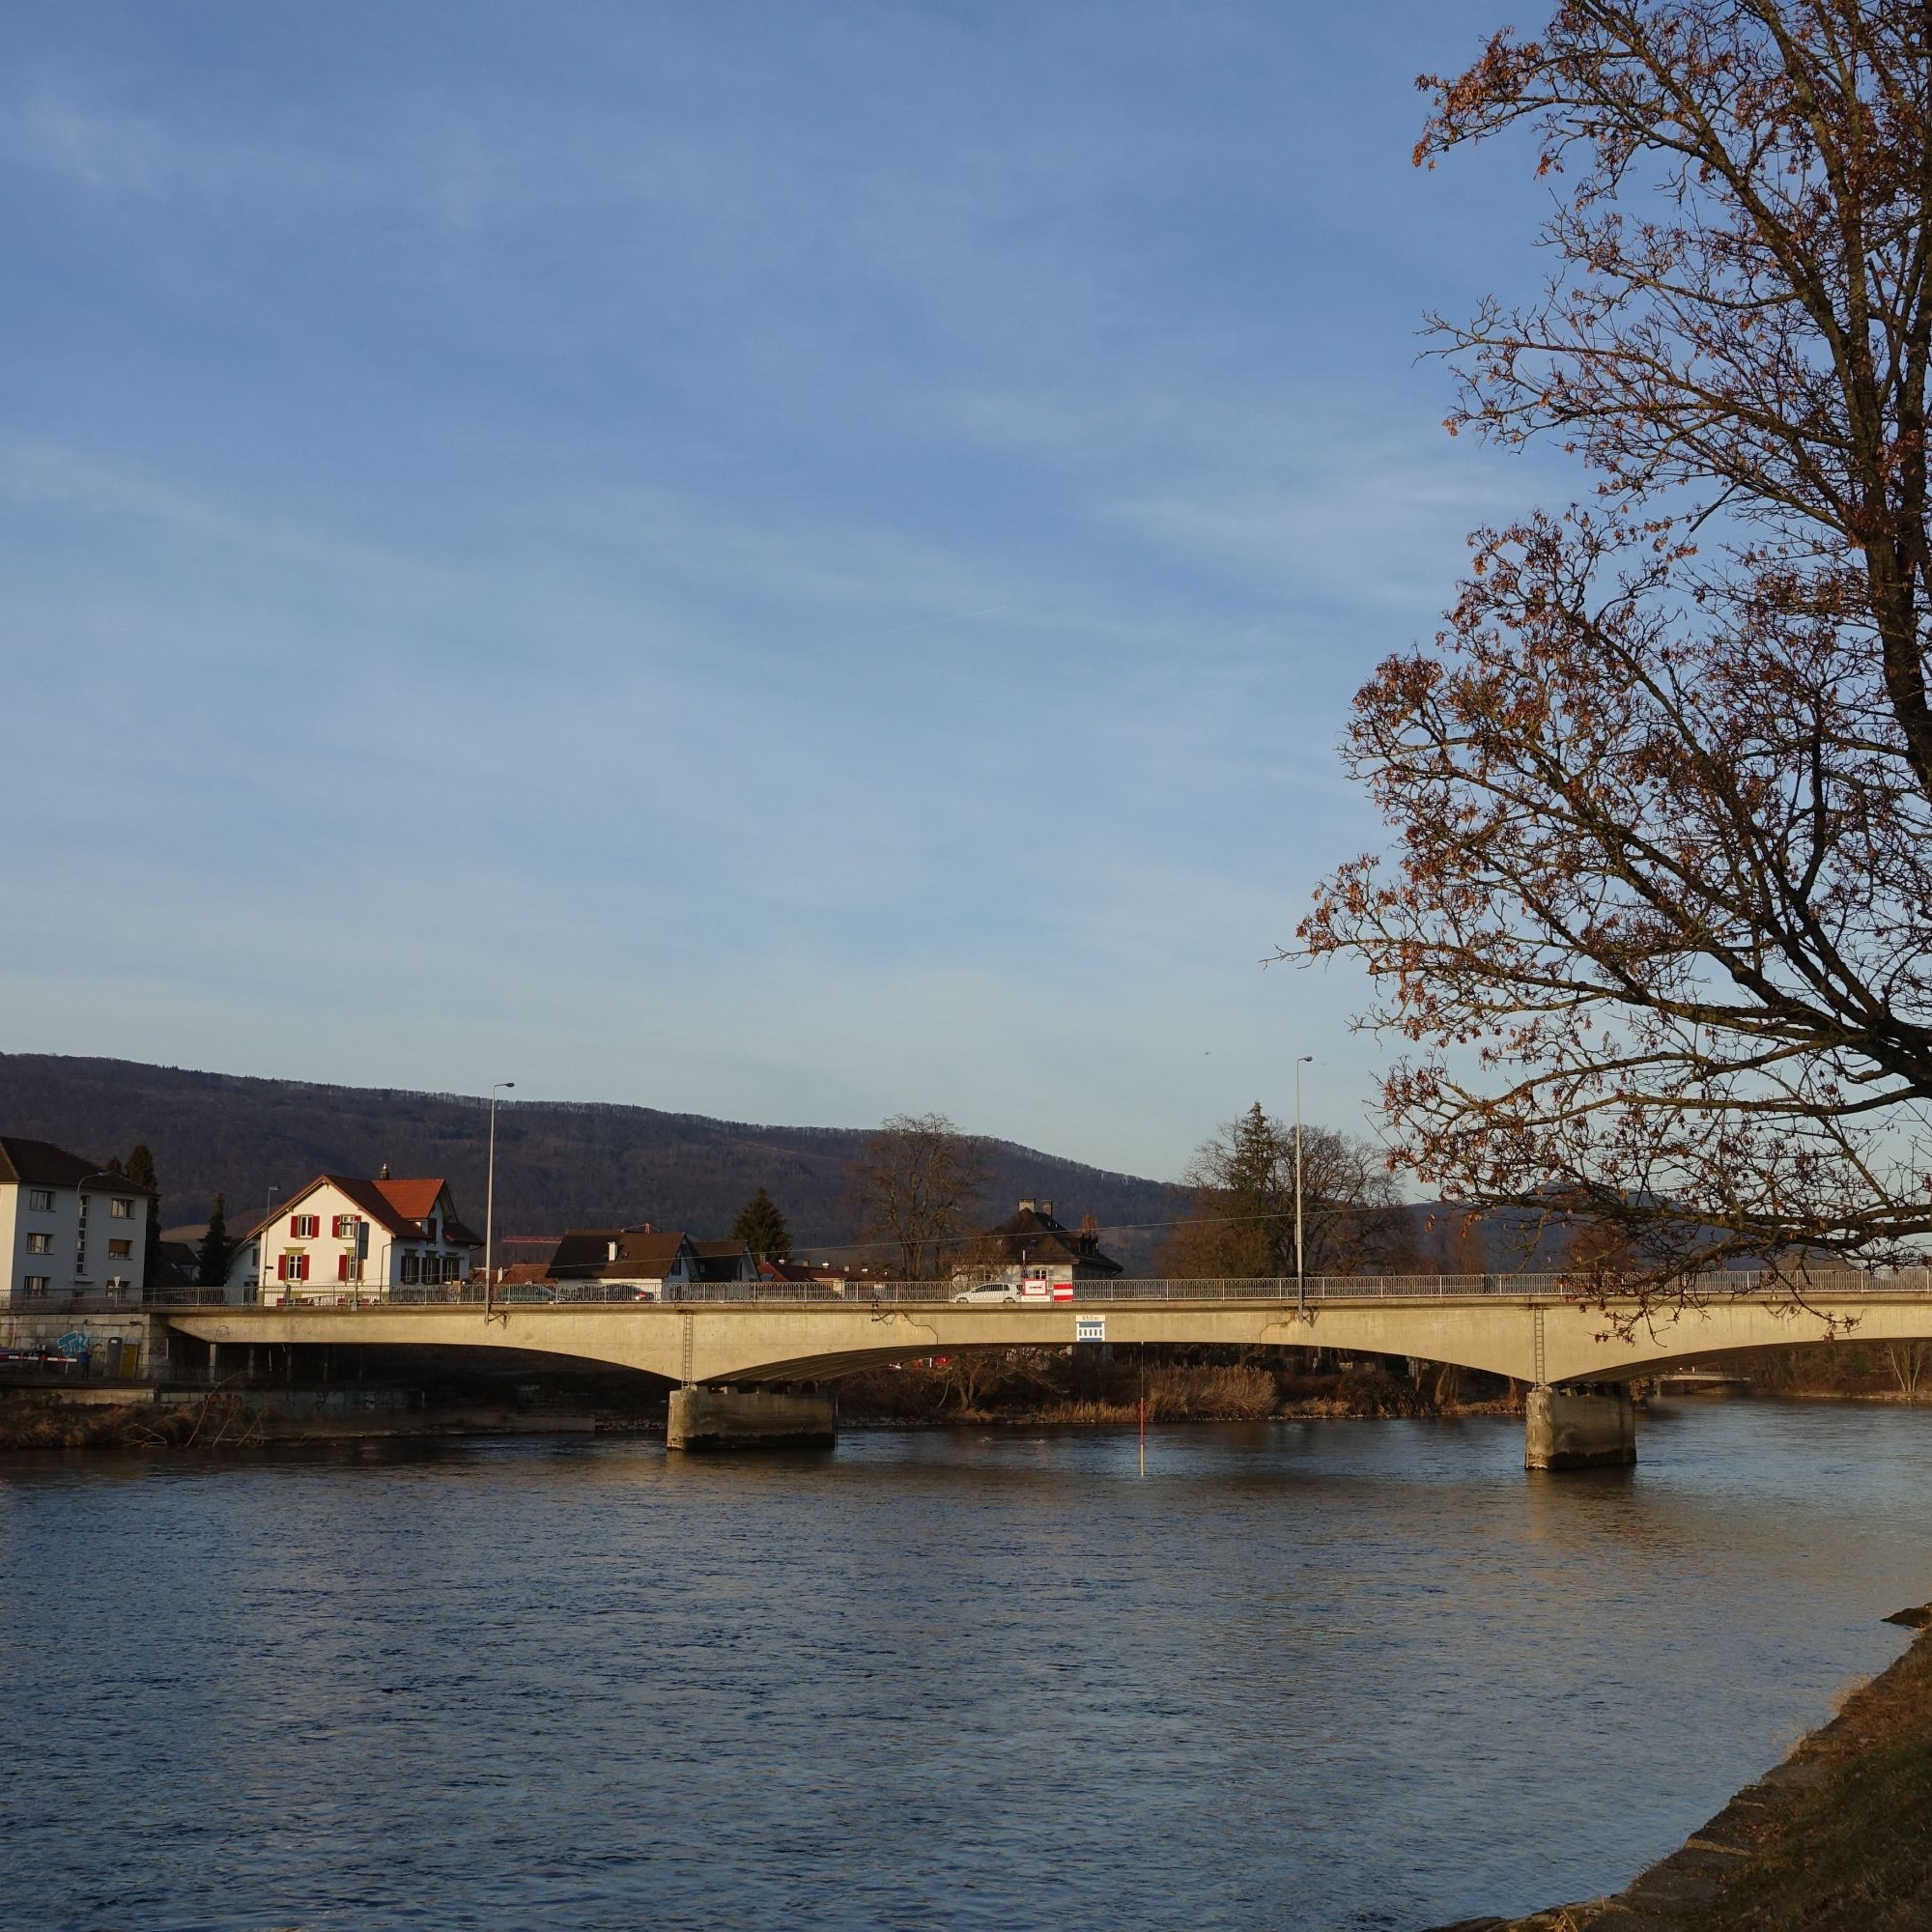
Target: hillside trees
917	1184
1242	1223
1658	925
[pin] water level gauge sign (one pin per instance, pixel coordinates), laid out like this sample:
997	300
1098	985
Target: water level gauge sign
1089	1328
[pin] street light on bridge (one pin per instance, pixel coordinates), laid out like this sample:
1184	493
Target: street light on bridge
490	1201
1300	1279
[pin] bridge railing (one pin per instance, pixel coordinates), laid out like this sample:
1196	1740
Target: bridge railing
1552	1287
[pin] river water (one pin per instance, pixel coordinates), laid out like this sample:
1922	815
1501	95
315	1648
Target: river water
1316	1675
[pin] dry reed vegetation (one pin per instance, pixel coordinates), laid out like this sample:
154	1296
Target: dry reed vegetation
219	1421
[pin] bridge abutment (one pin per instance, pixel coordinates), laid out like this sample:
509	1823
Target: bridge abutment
1575	1429
710	1418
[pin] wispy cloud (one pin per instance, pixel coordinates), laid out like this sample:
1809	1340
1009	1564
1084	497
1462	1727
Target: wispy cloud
847	535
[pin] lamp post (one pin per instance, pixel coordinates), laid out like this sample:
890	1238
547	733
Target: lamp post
490	1201
262	1246
1300	1279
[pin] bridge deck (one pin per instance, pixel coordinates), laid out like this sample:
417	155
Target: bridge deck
1532	1337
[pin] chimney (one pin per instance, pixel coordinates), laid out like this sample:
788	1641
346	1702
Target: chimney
612	1247
383	1172
1027	1207
1046	1210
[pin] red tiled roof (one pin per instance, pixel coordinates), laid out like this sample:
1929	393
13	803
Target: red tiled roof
414	1199
387	1202
771	1270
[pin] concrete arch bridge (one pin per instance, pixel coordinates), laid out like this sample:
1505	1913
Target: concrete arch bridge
1534	1328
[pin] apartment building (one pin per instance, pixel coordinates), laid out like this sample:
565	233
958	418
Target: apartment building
72	1235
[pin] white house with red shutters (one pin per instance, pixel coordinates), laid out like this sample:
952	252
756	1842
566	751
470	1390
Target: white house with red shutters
344	1235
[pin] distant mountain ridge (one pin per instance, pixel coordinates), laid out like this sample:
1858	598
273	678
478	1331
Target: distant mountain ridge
559	1163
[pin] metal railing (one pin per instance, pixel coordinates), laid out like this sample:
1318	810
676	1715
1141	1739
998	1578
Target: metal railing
1718	1286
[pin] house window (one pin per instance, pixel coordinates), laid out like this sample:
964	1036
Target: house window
121	1210
39	1245
119	1250
117	1284
343	1226
305	1227
40	1201
452	1268
292	1267
412	1268
38	1284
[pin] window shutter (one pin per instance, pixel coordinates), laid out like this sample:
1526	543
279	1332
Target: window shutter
342	1267
281	1267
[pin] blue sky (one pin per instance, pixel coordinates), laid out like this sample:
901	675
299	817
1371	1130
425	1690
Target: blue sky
778	561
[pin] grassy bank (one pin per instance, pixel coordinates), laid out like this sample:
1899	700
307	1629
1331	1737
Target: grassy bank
1839	1838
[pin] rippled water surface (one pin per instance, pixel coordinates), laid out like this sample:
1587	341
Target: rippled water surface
1311	1675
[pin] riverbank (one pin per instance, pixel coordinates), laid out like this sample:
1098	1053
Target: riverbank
235	1420
1040	1387
1017	1389
1836	1838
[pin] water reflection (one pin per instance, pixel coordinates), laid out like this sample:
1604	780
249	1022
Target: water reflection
1321	1675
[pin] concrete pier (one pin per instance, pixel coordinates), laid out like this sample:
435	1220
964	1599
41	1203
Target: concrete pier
1571	1429
709	1418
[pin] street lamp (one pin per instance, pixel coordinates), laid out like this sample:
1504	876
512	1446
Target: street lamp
490	1199
262	1247
1300	1279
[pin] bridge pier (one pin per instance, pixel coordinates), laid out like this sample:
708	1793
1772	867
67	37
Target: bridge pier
1575	1429
712	1418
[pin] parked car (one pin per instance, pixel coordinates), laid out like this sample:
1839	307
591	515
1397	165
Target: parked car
989	1295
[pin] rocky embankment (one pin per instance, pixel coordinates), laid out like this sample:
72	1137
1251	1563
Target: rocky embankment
1837	1838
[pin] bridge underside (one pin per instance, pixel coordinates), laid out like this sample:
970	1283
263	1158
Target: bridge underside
1551	1342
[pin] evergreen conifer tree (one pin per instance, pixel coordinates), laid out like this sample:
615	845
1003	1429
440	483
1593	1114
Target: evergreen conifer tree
216	1249
140	1170
762	1228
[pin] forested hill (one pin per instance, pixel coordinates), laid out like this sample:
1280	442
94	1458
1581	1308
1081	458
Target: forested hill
558	1164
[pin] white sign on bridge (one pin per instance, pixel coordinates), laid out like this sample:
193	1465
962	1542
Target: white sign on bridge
1089	1328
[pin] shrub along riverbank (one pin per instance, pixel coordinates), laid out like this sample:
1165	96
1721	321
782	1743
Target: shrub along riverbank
1864	1371
1058	1385
46	1422
1019	1387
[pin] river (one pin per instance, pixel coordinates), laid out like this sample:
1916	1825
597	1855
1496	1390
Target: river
1313	1675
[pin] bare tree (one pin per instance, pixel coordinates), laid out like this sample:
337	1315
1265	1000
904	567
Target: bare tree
916	1185
1907	1362
1659	926
1242	1227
